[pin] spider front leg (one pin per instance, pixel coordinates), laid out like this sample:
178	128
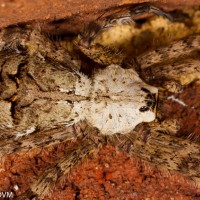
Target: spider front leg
164	149
89	44
43	185
129	15
147	8
122	17
172	67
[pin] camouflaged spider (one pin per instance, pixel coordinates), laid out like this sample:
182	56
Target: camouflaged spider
45	100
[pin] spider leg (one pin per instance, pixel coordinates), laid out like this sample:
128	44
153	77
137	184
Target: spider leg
122	17
172	75
128	16
38	139
104	55
147	8
43	185
28	41
164	149
181	48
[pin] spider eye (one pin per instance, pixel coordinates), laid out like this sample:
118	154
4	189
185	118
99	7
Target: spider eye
144	109
145	90
149	103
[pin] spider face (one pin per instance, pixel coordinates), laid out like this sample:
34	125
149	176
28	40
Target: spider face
151	100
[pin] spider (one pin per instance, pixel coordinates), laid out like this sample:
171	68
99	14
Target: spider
45	99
